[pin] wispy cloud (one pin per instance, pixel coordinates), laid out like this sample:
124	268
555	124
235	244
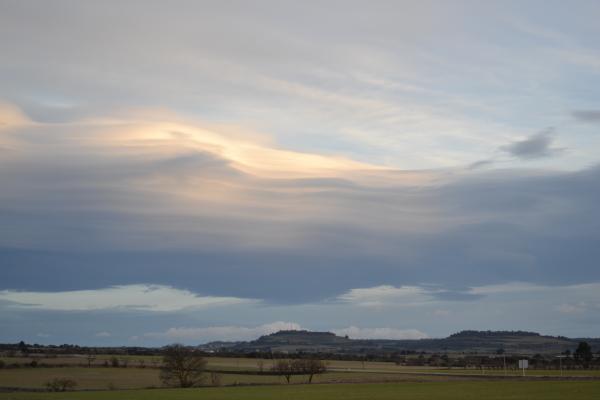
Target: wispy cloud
387	295
567	308
592	116
142	297
535	146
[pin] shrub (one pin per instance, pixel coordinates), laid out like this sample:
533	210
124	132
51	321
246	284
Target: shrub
60	384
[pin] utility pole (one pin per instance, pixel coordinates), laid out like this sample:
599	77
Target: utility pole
560	363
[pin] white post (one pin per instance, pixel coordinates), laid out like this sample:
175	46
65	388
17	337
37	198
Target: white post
523	364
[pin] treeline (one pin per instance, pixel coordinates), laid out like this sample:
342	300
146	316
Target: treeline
488	334
498	362
24	349
309	367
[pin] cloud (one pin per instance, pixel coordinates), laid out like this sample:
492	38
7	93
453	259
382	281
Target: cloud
103	334
387	295
480	164
238	333
229	333
380	333
146	194
592	116
148	216
535	146
11	117
442	313
566	308
142	297
94	189
419	296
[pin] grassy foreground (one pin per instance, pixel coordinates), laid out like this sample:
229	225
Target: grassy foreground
488	390
143	378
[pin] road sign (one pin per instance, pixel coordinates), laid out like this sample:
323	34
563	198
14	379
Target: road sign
523	364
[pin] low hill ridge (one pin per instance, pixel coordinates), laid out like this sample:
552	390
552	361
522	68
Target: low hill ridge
467	341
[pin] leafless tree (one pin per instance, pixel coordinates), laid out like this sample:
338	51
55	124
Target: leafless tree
312	367
182	366
284	368
90	359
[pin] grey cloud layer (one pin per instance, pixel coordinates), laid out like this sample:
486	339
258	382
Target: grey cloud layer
535	146
587	115
95	191
84	204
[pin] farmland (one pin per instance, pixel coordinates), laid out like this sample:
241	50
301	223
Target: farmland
409	390
119	375
141	372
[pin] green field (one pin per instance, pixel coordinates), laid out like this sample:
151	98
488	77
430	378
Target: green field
238	379
251	364
413	391
221	363
140	378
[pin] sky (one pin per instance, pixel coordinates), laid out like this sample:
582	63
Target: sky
189	171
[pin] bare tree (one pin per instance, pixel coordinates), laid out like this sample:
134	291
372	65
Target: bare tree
284	368
261	365
312	367
182	366
90	359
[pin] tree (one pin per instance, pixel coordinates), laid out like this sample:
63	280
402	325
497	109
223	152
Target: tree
284	368
90	359
583	354
23	348
182	366
310	367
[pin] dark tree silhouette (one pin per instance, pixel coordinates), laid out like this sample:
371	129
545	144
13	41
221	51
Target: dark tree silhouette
583	354
182	366
311	367
285	368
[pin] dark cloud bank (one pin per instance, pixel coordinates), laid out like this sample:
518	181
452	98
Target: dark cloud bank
88	222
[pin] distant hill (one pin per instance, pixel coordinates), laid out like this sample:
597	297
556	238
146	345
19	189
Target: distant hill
481	342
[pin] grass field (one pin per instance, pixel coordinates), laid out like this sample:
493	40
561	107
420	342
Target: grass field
138	378
100	378
489	390
224	363
250	364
